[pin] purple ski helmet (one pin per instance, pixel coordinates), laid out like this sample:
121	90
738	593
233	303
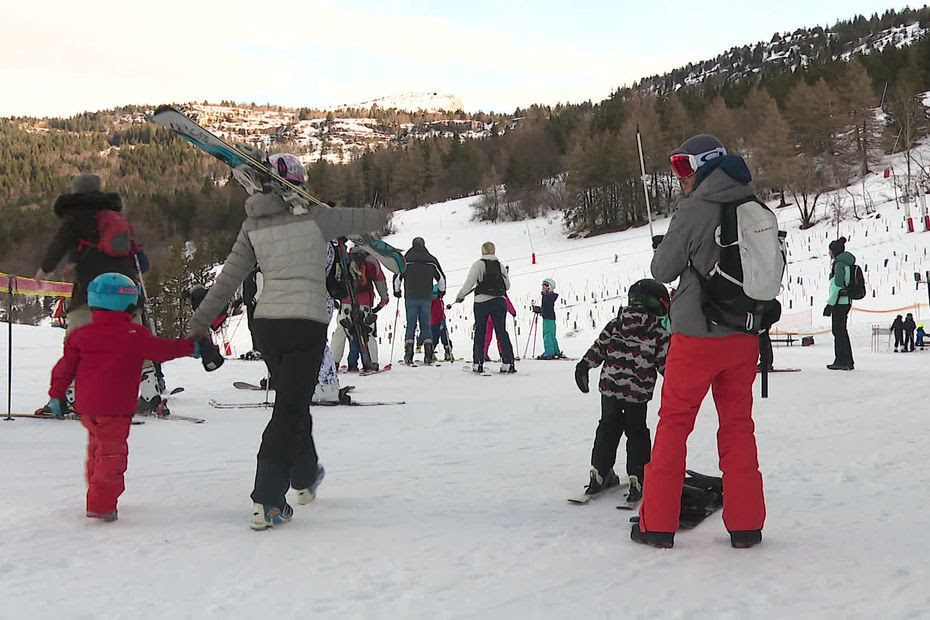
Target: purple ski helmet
289	167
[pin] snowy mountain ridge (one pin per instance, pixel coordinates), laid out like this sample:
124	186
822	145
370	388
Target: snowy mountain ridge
413	102
791	51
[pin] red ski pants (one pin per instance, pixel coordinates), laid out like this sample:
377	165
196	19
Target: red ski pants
727	366
107	454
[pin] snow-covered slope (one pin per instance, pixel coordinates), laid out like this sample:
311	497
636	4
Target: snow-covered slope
453	505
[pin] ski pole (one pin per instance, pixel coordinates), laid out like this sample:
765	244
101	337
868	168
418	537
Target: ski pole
642	167
390	364
9	353
516	335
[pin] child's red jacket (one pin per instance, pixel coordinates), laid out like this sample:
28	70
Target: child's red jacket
104	359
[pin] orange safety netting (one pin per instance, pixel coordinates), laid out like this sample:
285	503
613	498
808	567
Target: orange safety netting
35	288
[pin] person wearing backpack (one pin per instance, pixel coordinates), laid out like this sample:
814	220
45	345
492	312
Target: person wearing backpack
707	352
842	275
82	212
416	285
488	279
366	276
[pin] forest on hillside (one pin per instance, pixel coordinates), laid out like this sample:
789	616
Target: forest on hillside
804	132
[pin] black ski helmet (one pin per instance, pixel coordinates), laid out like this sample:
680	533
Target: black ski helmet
651	295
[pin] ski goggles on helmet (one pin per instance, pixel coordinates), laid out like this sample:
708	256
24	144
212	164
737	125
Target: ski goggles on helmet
685	164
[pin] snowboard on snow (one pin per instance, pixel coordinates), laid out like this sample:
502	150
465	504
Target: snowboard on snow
255	176
701	496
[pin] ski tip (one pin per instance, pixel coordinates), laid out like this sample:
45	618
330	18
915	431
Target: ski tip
165	108
387	366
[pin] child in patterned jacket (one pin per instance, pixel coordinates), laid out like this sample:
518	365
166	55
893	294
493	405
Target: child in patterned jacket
632	349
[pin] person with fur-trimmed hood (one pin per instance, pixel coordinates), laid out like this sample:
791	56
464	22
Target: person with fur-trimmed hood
632	349
75	240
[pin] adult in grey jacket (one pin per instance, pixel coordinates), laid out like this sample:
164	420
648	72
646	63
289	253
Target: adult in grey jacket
417	279
291	316
490	283
702	356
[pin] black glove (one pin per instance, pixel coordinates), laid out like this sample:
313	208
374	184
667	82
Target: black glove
827	310
656	240
209	354
397	294
536	309
581	376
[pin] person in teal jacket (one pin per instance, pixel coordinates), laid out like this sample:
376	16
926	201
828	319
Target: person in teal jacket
839	305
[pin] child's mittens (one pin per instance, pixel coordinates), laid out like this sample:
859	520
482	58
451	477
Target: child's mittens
581	376
56	407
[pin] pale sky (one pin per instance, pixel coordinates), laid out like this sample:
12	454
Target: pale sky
61	57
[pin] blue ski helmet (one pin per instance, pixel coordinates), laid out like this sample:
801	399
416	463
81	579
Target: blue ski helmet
112	291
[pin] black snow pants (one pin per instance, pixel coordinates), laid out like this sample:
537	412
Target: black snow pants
619	417
841	347
293	349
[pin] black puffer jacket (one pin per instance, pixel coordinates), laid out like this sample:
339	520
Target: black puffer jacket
78	215
422	270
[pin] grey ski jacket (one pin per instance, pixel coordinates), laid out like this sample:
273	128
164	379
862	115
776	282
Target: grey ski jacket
291	252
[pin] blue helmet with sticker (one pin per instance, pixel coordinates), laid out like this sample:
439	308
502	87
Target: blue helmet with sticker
112	291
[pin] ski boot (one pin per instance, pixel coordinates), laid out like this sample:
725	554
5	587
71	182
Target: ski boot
598	483
103	516
744	539
155	406
508	369
344	398
660	540
429	358
478	368
265	516
635	495
408	352
419	347
305	496
448	357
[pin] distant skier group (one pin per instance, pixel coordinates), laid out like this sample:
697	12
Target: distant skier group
299	272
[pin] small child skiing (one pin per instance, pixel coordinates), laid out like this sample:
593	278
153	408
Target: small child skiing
920	335
438	325
546	310
632	349
489	330
104	358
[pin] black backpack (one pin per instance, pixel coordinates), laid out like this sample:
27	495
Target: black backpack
336	280
856	287
740	290
493	282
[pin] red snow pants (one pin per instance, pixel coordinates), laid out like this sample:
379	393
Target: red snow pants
727	366
107	454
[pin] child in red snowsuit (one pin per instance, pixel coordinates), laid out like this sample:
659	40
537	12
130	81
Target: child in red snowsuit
104	359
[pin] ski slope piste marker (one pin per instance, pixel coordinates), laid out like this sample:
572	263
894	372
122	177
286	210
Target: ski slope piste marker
243	163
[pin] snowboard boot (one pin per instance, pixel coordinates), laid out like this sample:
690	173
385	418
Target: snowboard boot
429	357
265	516
744	539
408	352
635	495
103	516
598	483
508	369
660	540
305	496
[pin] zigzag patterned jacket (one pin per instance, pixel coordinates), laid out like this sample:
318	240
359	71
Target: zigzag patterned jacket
632	348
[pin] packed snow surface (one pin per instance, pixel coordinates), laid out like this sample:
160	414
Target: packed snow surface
454	504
